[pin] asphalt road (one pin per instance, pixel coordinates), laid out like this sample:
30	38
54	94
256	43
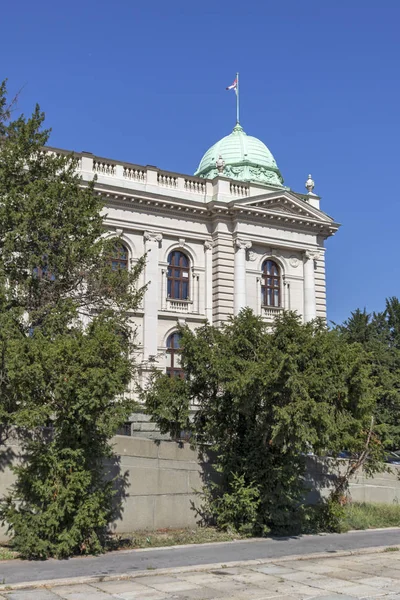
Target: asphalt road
129	561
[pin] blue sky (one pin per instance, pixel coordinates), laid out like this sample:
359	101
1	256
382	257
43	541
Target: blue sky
145	82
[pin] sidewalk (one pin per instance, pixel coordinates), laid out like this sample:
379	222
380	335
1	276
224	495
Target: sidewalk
193	556
370	574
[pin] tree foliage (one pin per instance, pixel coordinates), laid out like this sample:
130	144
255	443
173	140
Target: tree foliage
379	334
65	343
265	398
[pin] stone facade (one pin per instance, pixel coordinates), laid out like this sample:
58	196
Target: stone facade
227	229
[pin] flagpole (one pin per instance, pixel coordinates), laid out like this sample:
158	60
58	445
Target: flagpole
237	98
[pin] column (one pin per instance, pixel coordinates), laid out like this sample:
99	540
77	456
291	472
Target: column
240	274
286	292
259	296
208	281
163	289
151	297
310	310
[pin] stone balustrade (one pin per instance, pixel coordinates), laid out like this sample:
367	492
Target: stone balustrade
179	306
270	312
138	177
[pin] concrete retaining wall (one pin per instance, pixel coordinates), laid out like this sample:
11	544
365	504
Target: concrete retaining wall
160	481
161	478
383	488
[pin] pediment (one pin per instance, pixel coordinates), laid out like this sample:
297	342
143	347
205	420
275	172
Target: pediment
283	203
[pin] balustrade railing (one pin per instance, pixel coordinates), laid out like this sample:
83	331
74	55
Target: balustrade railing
179	306
166	180
134	174
239	189
104	168
270	312
193	185
151	176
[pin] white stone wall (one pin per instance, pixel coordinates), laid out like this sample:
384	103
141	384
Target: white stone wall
227	229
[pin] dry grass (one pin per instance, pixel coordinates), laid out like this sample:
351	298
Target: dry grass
173	537
359	515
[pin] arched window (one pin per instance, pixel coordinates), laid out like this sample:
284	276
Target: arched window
173	356
119	257
178	275
271	284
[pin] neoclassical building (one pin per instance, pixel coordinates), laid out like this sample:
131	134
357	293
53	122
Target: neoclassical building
229	236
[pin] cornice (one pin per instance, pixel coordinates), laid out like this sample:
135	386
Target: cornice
285	220
160	204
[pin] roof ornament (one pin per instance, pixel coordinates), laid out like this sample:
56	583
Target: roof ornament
220	164
310	185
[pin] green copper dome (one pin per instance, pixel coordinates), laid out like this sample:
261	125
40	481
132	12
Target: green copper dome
246	158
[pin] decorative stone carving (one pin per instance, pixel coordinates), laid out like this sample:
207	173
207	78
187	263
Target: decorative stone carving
208	245
242	244
234	172
312	254
119	232
294	261
310	185
151	236
182	241
251	255
220	164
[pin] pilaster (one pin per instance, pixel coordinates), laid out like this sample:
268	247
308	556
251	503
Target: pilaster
240	274
310	310
151	297
208	281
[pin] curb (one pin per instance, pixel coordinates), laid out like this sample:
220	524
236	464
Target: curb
47	583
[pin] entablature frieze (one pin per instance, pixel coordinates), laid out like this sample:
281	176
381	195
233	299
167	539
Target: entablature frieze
201	211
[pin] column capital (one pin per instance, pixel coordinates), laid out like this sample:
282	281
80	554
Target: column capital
152	236
207	245
311	255
242	244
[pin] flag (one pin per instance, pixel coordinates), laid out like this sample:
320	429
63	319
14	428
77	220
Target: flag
233	86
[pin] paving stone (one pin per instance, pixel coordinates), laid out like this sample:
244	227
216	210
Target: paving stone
261	579
150	579
228	585
200	594
344	574
37	594
390	572
302	577
148	594
333	597
273	569
201	578
380	582
117	587
361	591
79	592
175	587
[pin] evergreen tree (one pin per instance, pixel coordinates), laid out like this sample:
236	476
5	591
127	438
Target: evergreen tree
379	335
265	398
65	343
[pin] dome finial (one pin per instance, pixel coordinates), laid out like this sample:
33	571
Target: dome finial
310	185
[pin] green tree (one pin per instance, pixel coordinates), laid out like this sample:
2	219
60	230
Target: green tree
379	335
266	397
65	343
